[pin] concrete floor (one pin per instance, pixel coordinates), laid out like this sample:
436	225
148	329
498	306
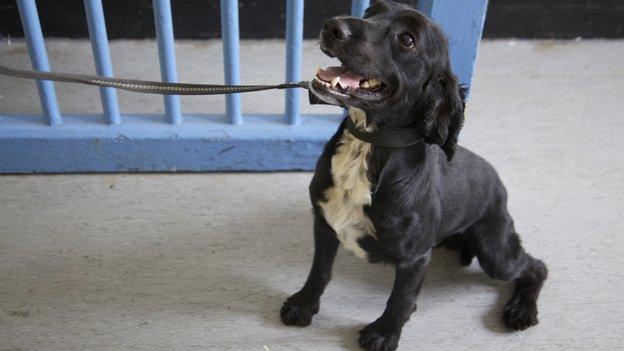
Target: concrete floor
204	261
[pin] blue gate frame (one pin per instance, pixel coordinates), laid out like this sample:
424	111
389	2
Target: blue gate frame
116	142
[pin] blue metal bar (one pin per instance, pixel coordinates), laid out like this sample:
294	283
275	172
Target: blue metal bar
141	144
101	55
231	61
462	21
39	59
166	55
294	38
358	7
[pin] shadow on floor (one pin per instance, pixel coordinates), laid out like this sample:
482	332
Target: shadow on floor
226	273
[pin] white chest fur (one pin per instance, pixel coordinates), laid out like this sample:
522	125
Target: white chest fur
343	209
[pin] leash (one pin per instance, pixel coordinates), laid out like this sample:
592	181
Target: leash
146	86
384	137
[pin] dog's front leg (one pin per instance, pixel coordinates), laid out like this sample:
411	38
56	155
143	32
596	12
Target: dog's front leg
299	308
384	333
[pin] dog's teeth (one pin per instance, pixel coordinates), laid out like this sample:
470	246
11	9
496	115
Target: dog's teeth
373	82
365	85
335	81
326	84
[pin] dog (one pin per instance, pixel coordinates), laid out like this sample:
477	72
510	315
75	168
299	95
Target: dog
392	183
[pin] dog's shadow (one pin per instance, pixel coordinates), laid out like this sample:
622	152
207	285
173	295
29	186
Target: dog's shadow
236	274
445	276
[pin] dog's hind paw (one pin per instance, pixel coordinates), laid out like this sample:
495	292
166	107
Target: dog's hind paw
299	311
520	314
375	338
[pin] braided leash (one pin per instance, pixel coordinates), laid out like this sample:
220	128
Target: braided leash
146	86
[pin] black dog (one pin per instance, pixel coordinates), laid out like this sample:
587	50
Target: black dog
394	203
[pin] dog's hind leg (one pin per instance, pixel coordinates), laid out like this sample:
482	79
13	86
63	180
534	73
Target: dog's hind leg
502	256
303	305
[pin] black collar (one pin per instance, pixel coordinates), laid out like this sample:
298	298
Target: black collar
387	137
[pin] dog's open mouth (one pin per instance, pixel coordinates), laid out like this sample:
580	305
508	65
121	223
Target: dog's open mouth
338	85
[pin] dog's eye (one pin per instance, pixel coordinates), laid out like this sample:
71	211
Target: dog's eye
407	40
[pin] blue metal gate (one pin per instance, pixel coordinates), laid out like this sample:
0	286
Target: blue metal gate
55	142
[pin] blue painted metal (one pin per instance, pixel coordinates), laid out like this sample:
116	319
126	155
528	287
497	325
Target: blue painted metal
166	55
39	59
142	143
202	142
294	39
462	20
358	7
101	55
229	33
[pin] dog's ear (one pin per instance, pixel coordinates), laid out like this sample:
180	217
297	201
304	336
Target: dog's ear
443	109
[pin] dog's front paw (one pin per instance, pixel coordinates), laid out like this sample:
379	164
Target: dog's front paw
299	310
520	314
374	337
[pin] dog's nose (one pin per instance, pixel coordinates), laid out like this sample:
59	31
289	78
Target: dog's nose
337	28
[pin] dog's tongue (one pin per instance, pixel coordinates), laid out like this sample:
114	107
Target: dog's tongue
347	78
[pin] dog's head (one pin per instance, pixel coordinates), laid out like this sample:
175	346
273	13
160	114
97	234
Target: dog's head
395	67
